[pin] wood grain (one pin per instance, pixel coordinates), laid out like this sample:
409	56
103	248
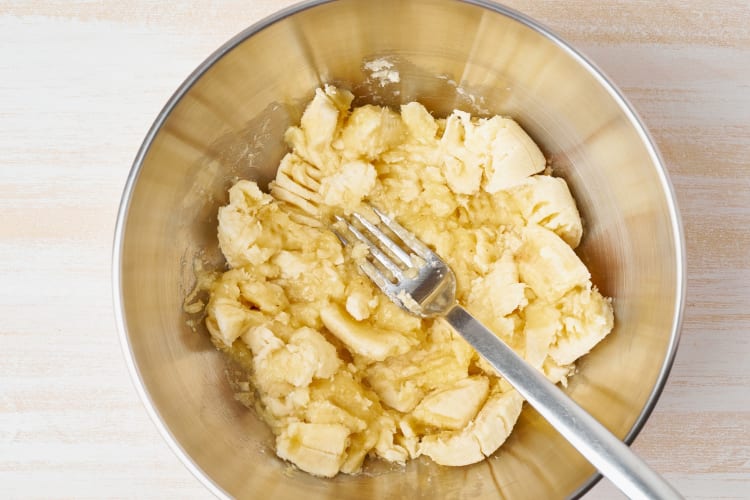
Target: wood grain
81	83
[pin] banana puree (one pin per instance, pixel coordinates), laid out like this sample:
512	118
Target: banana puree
338	371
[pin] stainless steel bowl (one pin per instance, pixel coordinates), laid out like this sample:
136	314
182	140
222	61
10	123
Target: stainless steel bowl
227	121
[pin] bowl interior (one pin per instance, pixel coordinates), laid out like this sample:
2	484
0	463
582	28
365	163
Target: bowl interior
227	122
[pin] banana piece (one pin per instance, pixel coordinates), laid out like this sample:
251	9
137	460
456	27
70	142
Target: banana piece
546	200
292	265
363	339
514	156
395	391
267	297
370	131
587	318
319	126
494	300
349	186
496	150
325	412
344	400
278	365
279	410
297	183
315	350
556	373
498	293
541	326
419	121
495	421
452	449
360	304
402	381
309	279
408	438
239	229
454	406
548	265
227	317
360	445
480	438
387	448
348	393
463	175
318	449
462	165
388	316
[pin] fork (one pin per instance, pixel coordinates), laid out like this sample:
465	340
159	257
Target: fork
418	280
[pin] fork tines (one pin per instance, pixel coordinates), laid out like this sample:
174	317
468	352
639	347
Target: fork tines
399	253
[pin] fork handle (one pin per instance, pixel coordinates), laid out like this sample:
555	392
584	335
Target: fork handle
601	448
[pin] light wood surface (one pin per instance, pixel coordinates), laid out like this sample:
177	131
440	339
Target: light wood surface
80	84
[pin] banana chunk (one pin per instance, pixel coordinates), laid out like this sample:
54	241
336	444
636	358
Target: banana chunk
319	127
481	438
325	412
455	406
587	318
227	318
496	420
370	131
229	310
548	265
297	185
360	445
542	324
305	356
546	201
464	162
514	157
399	393
419	122
318	449
349	186
240	232
497	293
402	381
363	339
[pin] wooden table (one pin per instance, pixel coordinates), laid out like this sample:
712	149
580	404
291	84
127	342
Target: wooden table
80	84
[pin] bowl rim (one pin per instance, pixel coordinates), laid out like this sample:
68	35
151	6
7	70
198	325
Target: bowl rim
232	43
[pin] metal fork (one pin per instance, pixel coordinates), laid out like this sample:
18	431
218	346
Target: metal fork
418	280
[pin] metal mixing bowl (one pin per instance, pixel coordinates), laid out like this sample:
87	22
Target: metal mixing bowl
227	121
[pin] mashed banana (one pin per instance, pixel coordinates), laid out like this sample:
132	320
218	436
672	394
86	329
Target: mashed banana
340	372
